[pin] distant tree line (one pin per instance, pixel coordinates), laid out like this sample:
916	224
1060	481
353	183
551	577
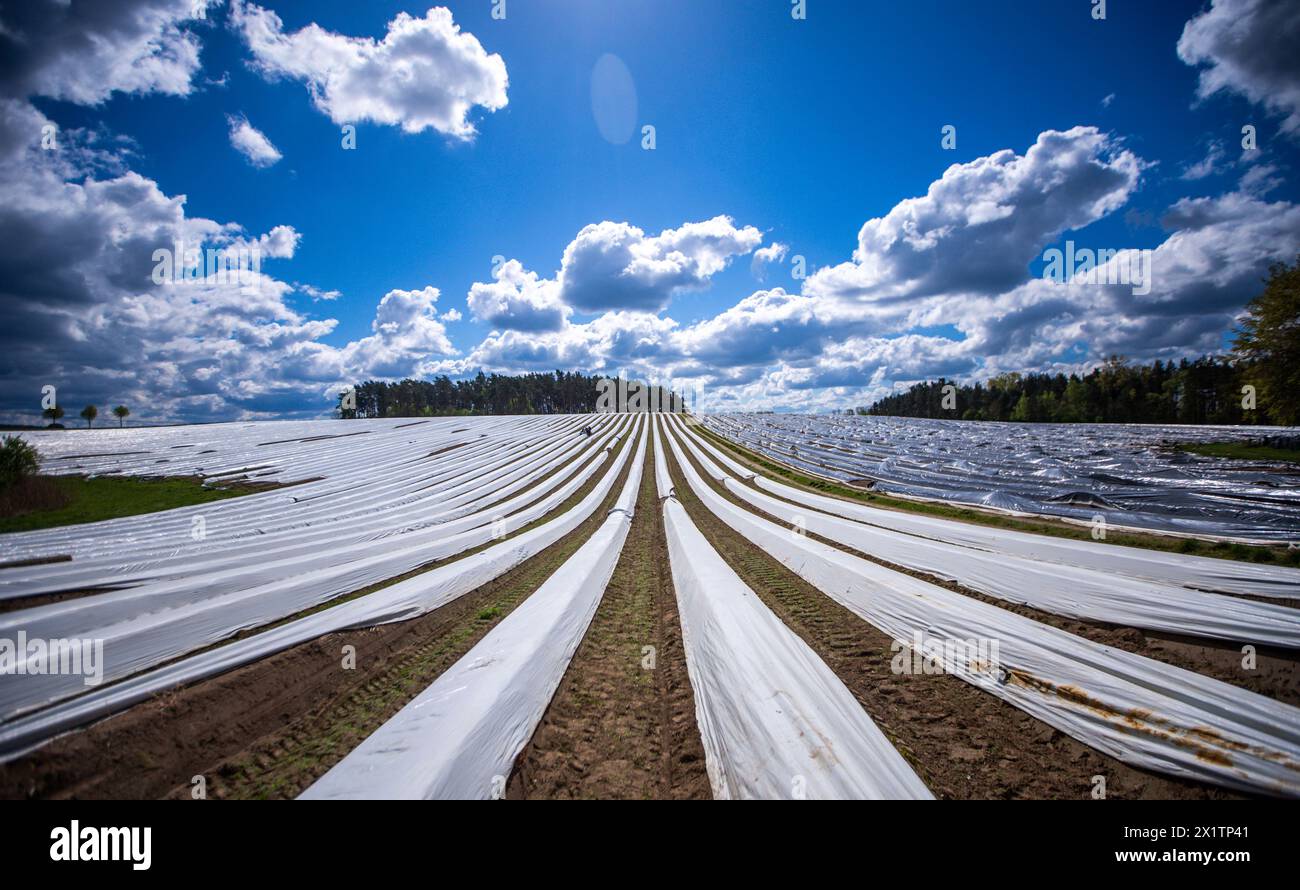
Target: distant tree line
1205	391
1258	384
559	393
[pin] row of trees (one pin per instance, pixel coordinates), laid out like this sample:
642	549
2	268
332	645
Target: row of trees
88	413
1207	390
1259	383
559	393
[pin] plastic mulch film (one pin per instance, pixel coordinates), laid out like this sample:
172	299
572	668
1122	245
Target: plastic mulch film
459	738
1053	587
1197	572
1129	473
400	601
1144	712
153	623
414	482
774	719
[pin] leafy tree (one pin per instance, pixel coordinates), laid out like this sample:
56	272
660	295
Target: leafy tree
121	412
1269	339
52	414
18	460
89	413
1022	412
1075	408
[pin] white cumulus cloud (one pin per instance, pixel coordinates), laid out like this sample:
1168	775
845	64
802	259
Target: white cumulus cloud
517	300
612	266
859	329
1248	47
83	51
251	142
425	73
773	253
979	225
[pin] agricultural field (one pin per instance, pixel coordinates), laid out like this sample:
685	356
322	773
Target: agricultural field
1148	477
656	606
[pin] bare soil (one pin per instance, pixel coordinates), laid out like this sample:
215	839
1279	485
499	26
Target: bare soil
616	727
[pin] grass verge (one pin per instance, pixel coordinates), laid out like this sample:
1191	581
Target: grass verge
1241	451
50	501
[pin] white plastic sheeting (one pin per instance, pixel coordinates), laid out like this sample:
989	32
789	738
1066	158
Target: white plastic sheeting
1196	572
154	623
195	576
775	721
1125	472
459	738
388	459
398	602
399	495
1052	587
1144	712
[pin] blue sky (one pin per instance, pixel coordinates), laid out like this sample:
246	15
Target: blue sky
796	131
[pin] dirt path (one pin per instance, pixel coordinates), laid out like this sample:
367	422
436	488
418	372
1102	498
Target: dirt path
963	742
617	728
271	728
